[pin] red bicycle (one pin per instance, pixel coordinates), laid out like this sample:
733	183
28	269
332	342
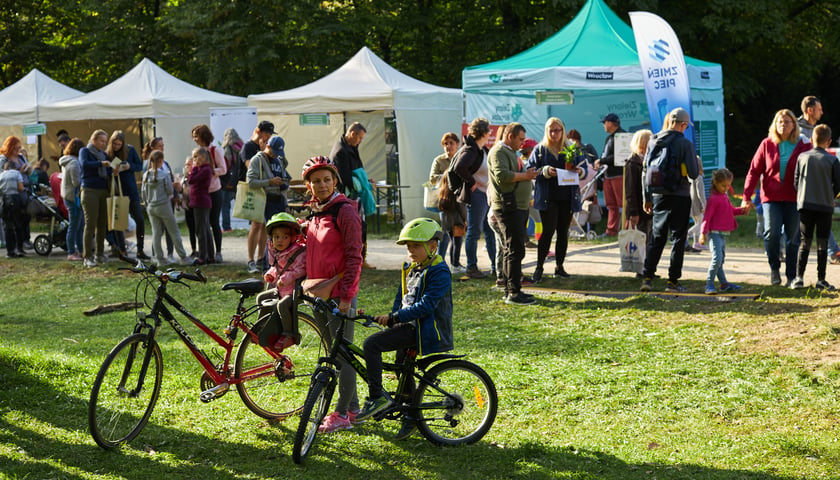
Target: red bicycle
272	385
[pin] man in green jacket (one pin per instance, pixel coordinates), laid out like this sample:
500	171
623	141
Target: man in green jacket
509	193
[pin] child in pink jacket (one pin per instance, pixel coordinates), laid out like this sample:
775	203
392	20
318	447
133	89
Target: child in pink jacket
718	221
287	257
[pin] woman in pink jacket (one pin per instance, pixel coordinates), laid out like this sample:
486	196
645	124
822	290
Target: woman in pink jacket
774	165
334	249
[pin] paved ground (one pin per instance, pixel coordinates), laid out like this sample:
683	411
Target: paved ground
742	265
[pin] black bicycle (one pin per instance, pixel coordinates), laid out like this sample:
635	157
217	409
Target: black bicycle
271	384
454	403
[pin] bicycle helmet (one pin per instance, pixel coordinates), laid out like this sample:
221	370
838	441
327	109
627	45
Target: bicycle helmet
282	219
317	163
420	230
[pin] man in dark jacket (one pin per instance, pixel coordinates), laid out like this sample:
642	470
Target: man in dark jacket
614	177
671	210
345	156
261	135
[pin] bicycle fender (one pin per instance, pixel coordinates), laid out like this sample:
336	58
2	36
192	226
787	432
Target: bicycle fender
424	362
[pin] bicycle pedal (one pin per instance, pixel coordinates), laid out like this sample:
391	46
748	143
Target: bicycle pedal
214	393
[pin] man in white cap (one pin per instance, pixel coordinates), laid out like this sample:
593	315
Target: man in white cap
671	209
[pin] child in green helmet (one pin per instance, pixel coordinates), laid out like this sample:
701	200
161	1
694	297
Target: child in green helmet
420	319
287	257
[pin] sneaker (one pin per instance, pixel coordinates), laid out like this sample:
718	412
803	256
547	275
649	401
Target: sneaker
647	285
183	261
476	273
825	286
835	260
27	245
729	287
690	249
500	282
74	257
797	283
141	255
89	262
775	277
527	281
711	290
372	407
333	422
367	266
520	299
698	246
458	269
227	230
252	267
561	273
537	276
354	417
407	427
675	287
171	260
101	259
218	258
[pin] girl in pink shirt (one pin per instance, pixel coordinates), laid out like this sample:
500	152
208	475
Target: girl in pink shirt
718	221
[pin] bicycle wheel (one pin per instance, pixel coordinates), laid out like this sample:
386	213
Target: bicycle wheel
122	399
314	410
460	405
269	388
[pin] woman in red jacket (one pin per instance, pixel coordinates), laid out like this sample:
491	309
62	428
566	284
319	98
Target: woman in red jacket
334	251
774	165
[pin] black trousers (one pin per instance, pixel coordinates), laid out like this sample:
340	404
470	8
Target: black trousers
399	337
555	220
810	220
512	227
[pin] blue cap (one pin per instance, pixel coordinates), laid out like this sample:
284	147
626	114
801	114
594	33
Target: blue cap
277	146
611	117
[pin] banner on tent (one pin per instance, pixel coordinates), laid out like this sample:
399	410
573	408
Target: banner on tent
663	68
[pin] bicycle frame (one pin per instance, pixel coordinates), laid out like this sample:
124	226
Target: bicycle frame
220	375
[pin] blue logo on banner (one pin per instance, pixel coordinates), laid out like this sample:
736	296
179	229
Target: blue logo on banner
495	78
659	50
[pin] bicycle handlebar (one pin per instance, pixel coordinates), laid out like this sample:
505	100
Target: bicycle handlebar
329	307
172	275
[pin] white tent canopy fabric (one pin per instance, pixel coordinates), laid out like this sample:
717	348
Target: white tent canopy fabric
148	91
424	112
20	102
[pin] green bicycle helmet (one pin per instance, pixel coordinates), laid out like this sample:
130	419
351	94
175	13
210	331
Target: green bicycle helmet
420	230
282	219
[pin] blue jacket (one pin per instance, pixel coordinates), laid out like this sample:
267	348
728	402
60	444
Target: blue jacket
127	179
546	188
432	308
94	175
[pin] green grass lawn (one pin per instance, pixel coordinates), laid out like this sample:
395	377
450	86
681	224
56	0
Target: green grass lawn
589	388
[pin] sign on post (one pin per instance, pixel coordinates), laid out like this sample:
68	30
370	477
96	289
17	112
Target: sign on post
34	129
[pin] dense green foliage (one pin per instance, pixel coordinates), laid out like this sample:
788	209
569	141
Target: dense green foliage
773	52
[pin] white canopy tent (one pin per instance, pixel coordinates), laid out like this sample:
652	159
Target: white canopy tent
423	113
20	102
147	92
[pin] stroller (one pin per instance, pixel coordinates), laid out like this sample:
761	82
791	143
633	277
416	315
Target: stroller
57	236
590	212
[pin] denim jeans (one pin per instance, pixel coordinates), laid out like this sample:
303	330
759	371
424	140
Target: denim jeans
227	197
717	247
670	221
476	223
778	215
76	229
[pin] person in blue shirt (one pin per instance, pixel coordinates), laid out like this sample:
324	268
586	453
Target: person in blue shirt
421	317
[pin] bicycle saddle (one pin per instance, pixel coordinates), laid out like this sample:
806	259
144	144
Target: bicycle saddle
251	286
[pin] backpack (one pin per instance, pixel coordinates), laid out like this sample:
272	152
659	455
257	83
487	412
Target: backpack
662	168
235	171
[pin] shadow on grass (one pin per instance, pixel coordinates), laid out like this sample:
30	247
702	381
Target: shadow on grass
37	421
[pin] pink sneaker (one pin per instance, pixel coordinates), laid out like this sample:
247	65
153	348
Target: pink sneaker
333	422
351	415
74	257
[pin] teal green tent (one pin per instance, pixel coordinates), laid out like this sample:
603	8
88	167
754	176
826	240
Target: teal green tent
581	73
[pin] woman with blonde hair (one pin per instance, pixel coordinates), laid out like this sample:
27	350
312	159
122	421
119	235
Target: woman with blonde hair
634	190
774	165
555	202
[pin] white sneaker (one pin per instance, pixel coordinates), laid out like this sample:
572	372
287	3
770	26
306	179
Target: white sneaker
252	267
89	262
101	259
184	261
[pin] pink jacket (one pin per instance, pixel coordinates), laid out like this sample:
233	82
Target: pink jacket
720	214
297	269
219	168
766	163
199	180
334	246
